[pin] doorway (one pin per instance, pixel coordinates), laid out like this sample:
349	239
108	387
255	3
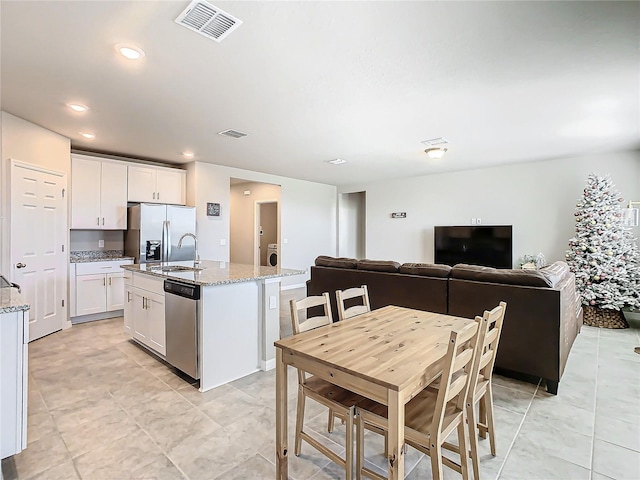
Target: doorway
38	239
254	205
352	224
267	234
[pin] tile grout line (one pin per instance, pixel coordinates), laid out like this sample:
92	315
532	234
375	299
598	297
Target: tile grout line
515	437
595	407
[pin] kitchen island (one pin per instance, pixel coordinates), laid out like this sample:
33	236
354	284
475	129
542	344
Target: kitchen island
238	315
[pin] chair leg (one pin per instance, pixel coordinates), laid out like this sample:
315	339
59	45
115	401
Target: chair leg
348	455
359	446
490	424
435	452
482	415
299	422
464	450
473	440
330	421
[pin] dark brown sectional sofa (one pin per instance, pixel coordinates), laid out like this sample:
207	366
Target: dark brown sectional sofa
543	317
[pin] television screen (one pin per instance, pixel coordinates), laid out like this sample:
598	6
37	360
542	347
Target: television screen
486	245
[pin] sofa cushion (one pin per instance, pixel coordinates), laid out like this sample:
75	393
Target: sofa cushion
530	278
325	261
426	269
378	265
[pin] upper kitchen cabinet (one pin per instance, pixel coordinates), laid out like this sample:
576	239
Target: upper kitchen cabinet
157	185
98	193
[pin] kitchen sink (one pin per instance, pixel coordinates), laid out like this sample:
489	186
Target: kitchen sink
174	268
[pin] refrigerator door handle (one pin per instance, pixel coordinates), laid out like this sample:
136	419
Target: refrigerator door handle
166	240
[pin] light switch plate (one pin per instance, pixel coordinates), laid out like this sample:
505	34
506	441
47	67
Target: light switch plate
223	241
100	243
273	304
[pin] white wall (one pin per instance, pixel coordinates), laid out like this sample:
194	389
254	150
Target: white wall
307	215
537	198
352	224
242	214
29	143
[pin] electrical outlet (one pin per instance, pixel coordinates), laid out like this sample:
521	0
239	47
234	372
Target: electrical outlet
478	221
223	241
100	243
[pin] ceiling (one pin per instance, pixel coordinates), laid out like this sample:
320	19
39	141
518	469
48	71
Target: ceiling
503	82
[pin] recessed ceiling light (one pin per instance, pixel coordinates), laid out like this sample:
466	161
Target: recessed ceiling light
187	154
77	107
132	53
88	135
336	161
436	152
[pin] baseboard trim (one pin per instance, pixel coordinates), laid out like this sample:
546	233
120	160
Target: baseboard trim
268	365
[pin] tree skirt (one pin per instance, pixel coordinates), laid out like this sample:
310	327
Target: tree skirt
603	317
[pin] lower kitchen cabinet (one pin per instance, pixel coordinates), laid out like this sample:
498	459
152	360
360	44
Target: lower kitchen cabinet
144	312
14	339
99	287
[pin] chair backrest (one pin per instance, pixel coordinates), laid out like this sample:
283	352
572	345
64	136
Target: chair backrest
342	295
460	364
495	319
309	323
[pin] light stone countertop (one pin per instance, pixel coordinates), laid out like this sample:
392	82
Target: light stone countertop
12	301
97	256
215	272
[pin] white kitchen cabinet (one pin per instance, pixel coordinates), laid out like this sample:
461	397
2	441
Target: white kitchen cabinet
145	312
128	301
99	287
156	185
98	193
14	340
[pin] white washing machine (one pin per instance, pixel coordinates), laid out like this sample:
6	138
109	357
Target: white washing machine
272	254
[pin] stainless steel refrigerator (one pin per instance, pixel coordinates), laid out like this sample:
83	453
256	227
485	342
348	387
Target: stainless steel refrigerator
154	231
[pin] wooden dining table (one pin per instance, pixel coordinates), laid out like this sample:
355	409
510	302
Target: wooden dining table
388	355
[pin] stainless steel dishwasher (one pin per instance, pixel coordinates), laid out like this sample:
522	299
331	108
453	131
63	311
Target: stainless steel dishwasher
181	309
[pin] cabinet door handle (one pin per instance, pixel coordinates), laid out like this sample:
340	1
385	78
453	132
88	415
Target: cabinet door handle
128	296
109	280
98	221
102	220
145	303
158	195
154	195
104	282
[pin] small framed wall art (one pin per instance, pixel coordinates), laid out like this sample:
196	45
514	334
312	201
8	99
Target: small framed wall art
213	209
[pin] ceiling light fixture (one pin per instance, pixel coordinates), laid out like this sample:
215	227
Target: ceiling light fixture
88	135
437	152
77	107
187	154
337	161
127	51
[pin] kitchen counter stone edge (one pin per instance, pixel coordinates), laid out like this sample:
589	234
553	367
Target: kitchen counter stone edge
12	301
217	273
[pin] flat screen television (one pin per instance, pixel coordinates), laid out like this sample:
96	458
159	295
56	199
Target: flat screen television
486	245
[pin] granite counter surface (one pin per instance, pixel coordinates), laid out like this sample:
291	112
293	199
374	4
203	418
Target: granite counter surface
12	301
97	256
214	273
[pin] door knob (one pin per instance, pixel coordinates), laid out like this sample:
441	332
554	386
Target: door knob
21	265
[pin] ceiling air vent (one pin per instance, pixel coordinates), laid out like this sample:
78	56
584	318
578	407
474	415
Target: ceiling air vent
233	134
208	20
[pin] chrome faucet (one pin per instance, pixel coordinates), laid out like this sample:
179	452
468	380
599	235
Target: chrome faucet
196	260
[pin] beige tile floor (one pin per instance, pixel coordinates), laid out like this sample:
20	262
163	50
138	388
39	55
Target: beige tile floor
100	407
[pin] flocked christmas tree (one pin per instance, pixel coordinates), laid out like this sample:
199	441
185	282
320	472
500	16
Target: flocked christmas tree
603	254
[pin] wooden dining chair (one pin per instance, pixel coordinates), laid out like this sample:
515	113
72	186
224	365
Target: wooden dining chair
480	393
430	417
340	402
352	311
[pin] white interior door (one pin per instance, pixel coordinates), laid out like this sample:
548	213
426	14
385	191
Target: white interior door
38	238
